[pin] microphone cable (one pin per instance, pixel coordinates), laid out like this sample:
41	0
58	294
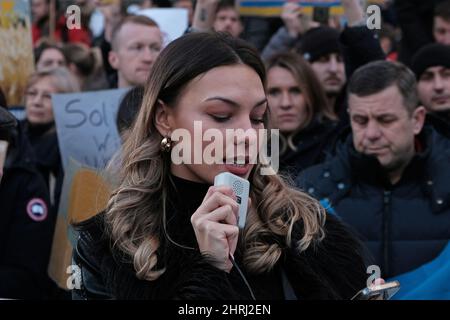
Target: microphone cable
242	276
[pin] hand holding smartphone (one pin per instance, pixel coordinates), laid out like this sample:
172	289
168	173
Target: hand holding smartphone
383	291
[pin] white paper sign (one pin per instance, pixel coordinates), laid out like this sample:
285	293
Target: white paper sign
172	22
86	126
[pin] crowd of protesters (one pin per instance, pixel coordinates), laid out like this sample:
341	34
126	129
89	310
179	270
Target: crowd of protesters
364	121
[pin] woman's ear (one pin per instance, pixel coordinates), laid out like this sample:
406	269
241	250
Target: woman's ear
163	118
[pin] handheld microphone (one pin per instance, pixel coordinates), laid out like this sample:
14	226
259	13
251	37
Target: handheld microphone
241	188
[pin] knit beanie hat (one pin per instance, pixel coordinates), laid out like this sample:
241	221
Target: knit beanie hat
431	55
318	42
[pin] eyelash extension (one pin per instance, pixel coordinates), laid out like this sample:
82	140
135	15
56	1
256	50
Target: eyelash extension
224	119
220	119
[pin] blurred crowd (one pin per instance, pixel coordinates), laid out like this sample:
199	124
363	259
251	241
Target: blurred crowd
332	85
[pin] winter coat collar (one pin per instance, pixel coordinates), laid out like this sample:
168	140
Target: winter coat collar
430	167
20	153
310	137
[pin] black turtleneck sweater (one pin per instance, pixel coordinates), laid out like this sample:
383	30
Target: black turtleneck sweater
331	269
184	198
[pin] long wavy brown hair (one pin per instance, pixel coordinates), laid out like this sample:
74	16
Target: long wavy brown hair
135	215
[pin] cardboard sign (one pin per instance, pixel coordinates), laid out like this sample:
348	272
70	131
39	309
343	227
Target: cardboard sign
86	126
16	49
85	193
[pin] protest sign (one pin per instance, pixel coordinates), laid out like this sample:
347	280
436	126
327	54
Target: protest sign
86	126
85	192
88	140
16	49
172	22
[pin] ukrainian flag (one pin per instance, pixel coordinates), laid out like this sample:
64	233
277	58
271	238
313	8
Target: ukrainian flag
273	8
428	282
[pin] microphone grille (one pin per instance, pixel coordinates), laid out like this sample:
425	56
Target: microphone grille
238	187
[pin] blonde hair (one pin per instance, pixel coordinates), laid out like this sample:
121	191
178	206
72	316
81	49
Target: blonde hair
317	106
62	79
135	215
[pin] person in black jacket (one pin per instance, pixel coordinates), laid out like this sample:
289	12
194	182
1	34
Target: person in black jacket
441	23
300	110
26	223
417	20
167	233
390	179
333	55
7	124
431	65
39	125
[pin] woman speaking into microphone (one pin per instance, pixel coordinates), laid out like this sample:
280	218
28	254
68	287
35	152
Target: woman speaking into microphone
168	233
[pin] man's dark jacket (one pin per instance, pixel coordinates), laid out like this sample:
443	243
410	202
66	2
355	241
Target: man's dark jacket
404	225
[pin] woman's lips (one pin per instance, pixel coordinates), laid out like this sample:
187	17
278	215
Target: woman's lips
285	117
237	169
239	166
36	114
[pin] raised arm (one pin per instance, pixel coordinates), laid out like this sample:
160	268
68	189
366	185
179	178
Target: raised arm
360	44
295	25
204	15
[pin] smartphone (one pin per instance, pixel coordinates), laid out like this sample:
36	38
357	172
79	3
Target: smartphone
321	15
382	291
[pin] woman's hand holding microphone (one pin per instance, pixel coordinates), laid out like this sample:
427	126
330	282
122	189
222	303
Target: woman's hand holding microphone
215	225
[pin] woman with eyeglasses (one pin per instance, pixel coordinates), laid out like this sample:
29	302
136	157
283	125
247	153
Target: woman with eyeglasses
39	125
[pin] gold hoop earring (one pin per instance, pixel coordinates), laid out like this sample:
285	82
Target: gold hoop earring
166	144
